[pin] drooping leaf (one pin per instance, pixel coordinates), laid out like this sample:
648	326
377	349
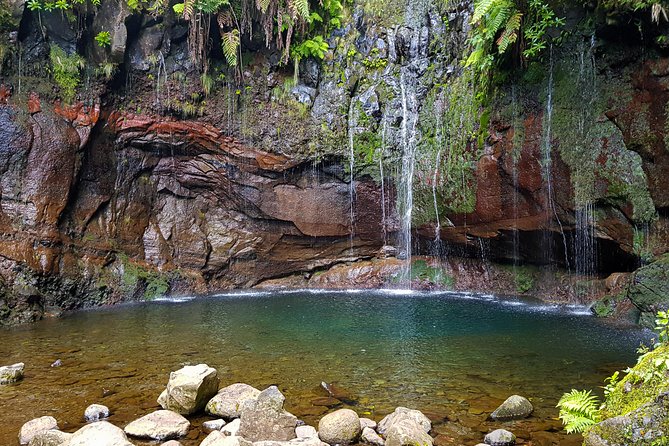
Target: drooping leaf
230	45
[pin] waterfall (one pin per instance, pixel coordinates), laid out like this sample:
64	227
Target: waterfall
405	189
547	164
584	245
515	155
383	189
352	124
435	177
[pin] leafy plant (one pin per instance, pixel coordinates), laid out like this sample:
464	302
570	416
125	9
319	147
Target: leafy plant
315	47
103	38
662	327
65	70
230	46
578	410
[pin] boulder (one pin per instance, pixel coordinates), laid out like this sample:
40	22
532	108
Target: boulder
265	419
51	437
228	401
35	426
370	436
159	425
96	412
407	432
100	433
304	441
232	427
171	443
213	425
189	389
11	373
339	427
366	422
306	432
500	437
216	438
402	413
515	407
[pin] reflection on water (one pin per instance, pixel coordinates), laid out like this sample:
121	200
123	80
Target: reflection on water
455	356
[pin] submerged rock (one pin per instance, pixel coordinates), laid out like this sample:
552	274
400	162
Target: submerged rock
228	401
403	413
100	433
159	425
189	389
514	407
265	419
339	427
500	437
11	373
96	412
35	426
407	432
50	438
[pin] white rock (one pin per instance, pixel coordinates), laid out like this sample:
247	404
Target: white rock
367	422
339	427
35	426
213	425
100	433
11	373
407	432
50	438
217	438
159	425
171	443
96	412
232	427
189	389
370	436
306	432
228	401
402	413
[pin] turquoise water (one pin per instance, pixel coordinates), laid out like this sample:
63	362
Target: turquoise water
455	356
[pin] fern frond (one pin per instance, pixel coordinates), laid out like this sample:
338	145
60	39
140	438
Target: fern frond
230	45
510	33
481	8
578	410
262	5
302	8
188	8
498	18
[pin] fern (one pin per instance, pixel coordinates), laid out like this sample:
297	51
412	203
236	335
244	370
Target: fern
262	5
302	8
230	44
188	8
481	8
578	410
510	33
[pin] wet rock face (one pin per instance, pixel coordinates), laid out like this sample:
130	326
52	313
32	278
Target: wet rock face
142	193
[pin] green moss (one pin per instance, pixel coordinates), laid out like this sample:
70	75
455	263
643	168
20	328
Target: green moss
421	271
642	384
135	275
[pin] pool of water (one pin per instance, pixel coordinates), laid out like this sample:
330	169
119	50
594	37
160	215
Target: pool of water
455	356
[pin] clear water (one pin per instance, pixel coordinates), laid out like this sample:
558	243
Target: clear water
455	356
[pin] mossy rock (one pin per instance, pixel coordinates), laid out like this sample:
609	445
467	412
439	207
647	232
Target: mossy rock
649	290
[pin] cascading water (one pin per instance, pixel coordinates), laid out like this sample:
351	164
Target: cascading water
405	187
584	244
383	186
547	164
352	128
515	155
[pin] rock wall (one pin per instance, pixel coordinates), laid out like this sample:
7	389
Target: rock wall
158	179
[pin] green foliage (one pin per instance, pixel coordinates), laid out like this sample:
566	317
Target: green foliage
421	271
314	47
578	410
106	70
643	383
65	71
523	280
230	46
497	28
207	82
103	38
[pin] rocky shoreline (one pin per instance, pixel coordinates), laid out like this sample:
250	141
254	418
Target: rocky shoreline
245	416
